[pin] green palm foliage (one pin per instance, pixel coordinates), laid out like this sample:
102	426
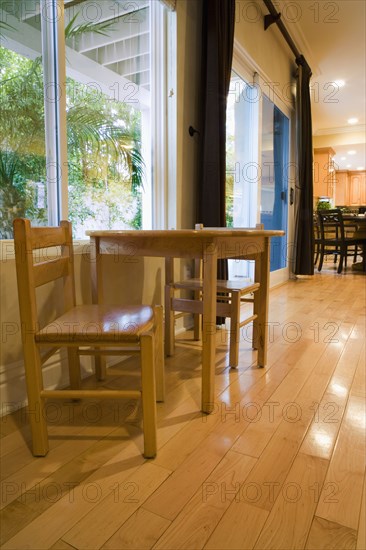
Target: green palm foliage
100	133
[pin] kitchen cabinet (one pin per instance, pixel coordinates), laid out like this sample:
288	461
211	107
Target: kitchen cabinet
341	195
324	173
357	189
350	188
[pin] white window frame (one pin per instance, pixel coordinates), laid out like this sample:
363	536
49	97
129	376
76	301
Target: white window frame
158	121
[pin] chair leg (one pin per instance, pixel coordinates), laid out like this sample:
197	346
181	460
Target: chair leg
100	367
234	330
321	258
74	368
169	321
159	354
34	381
197	320
355	255
148	394
343	254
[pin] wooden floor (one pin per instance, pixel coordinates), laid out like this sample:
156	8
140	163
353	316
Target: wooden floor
280	463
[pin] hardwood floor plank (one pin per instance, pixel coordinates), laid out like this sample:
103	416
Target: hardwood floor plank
139	532
346	469
60	483
74	441
361	535
168	500
359	382
327	534
290	519
52	524
287	438
101	523
239	527
267	415
328	413
61	545
201	514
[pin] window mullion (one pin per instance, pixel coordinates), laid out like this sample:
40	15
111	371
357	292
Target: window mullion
55	108
61	110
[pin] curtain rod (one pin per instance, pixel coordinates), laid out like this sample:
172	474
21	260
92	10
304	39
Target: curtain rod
275	17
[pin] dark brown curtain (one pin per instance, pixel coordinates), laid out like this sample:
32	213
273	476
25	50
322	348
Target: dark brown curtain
218	20
304	238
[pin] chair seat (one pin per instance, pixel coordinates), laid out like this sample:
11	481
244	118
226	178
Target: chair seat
239	285
98	323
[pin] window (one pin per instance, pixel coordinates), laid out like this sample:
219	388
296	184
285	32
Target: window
88	144
274	181
241	162
257	164
22	138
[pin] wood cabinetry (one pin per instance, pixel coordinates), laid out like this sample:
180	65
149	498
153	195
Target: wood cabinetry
357	189
324	173
341	195
350	188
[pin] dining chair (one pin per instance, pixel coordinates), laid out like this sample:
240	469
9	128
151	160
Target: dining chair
81	329
316	231
336	240
231	294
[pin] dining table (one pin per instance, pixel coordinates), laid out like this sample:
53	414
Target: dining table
209	246
358	224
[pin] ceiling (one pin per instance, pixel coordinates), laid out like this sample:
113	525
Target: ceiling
332	37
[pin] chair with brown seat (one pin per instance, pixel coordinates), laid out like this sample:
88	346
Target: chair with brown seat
83	330
230	295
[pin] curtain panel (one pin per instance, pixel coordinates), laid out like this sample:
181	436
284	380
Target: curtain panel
304	237
218	20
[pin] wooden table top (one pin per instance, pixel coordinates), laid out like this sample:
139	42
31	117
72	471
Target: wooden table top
182	233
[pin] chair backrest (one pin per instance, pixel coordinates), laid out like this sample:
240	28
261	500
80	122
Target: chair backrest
33	272
331	224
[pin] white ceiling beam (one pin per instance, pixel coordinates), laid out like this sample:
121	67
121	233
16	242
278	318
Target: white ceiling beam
124	50
86	70
142	71
121	60
26	40
89	11
93	11
121	30
21	9
134	66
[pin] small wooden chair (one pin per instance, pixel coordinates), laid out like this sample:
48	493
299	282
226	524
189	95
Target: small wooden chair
83	330
230	295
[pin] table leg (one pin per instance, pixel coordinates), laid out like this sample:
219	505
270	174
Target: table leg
262	305
169	313
209	328
97	296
